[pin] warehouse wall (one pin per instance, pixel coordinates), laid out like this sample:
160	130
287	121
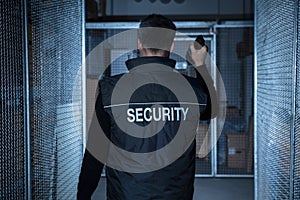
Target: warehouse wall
56	109
54	103
179	7
277	99
12	118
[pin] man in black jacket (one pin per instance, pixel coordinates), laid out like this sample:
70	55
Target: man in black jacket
152	110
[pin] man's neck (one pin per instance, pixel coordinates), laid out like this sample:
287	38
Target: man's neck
145	53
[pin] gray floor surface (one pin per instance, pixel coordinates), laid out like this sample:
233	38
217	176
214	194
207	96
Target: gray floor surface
208	189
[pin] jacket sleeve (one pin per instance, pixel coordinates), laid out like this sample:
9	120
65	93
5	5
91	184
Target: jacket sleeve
91	168
89	177
207	85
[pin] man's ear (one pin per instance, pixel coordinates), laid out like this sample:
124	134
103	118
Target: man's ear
140	46
172	47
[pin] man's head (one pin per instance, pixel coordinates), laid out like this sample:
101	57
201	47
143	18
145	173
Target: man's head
156	35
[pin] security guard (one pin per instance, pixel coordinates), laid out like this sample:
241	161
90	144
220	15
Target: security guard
150	119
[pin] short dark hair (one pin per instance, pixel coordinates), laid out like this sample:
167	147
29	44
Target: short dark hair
162	37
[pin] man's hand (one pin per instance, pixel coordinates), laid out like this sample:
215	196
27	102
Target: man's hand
198	55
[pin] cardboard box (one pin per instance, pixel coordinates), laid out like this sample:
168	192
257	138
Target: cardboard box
236	158
236	150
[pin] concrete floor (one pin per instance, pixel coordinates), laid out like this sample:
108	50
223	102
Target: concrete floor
208	189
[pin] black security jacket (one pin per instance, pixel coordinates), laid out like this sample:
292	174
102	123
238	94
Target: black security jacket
172	182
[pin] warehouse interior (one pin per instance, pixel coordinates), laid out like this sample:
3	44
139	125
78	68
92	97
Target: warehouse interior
49	78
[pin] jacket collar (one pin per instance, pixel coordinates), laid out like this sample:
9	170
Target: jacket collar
131	63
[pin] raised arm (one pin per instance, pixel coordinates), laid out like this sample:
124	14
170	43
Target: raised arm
198	57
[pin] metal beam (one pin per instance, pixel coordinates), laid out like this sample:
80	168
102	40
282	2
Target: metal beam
293	102
27	124
179	25
255	107
83	78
